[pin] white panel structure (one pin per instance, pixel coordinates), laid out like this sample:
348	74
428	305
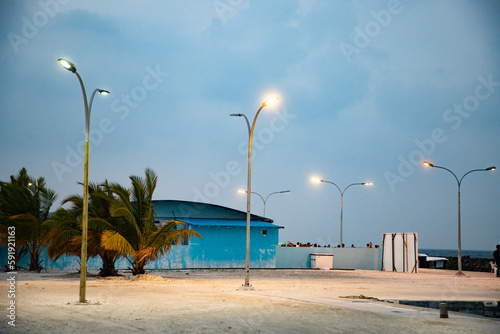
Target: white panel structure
319	261
400	252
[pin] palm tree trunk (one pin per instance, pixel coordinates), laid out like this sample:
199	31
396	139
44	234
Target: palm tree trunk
139	267
108	265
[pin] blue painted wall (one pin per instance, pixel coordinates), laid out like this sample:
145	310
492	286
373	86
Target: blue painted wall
221	247
224	247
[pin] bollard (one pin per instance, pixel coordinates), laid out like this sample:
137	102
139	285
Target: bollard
443	310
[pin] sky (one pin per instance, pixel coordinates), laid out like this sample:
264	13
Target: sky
368	90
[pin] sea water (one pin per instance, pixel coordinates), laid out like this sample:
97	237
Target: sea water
478	254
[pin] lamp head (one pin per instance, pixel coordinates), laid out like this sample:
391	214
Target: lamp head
103	92
316	180
67	64
237	115
284	191
241	191
367	183
490	168
270	102
428	164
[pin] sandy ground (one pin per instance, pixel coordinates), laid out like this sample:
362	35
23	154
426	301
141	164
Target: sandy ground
283	301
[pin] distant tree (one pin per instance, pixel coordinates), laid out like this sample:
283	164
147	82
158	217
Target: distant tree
25	203
65	228
138	238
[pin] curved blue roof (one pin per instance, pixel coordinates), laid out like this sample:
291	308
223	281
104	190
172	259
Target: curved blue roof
183	210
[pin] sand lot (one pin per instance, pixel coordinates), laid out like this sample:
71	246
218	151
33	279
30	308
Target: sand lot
283	301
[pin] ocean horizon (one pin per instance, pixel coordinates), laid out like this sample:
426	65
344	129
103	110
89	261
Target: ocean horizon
479	254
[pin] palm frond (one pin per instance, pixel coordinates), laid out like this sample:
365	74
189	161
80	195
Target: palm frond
99	224
112	240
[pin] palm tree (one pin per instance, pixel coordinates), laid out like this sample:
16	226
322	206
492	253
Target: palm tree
25	203
138	238
65	229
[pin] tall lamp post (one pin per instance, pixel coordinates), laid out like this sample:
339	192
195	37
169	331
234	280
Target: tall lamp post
267	103
264	200
342	200
85	215
459	182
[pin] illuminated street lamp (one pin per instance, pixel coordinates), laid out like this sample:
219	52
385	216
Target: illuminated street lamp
241	191
85	214
342	200
269	102
459	182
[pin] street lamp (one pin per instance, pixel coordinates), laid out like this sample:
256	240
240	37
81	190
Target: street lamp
241	191
269	102
342	200
85	215
459	182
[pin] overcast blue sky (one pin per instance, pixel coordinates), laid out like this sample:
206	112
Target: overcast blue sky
368	91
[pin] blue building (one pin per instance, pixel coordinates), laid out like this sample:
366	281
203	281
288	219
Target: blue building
223	245
224	236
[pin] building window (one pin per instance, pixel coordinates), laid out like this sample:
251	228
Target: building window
264	232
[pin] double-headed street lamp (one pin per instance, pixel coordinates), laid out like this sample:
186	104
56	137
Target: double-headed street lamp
267	103
342	200
85	215
459	182
241	191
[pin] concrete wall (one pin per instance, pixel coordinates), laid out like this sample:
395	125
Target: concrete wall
343	258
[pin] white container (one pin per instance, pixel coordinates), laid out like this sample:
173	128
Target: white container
400	252
319	261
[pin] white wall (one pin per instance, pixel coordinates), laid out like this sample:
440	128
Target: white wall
343	258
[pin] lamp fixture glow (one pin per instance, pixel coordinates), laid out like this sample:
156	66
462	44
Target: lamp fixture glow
367	184
428	164
67	64
270	102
